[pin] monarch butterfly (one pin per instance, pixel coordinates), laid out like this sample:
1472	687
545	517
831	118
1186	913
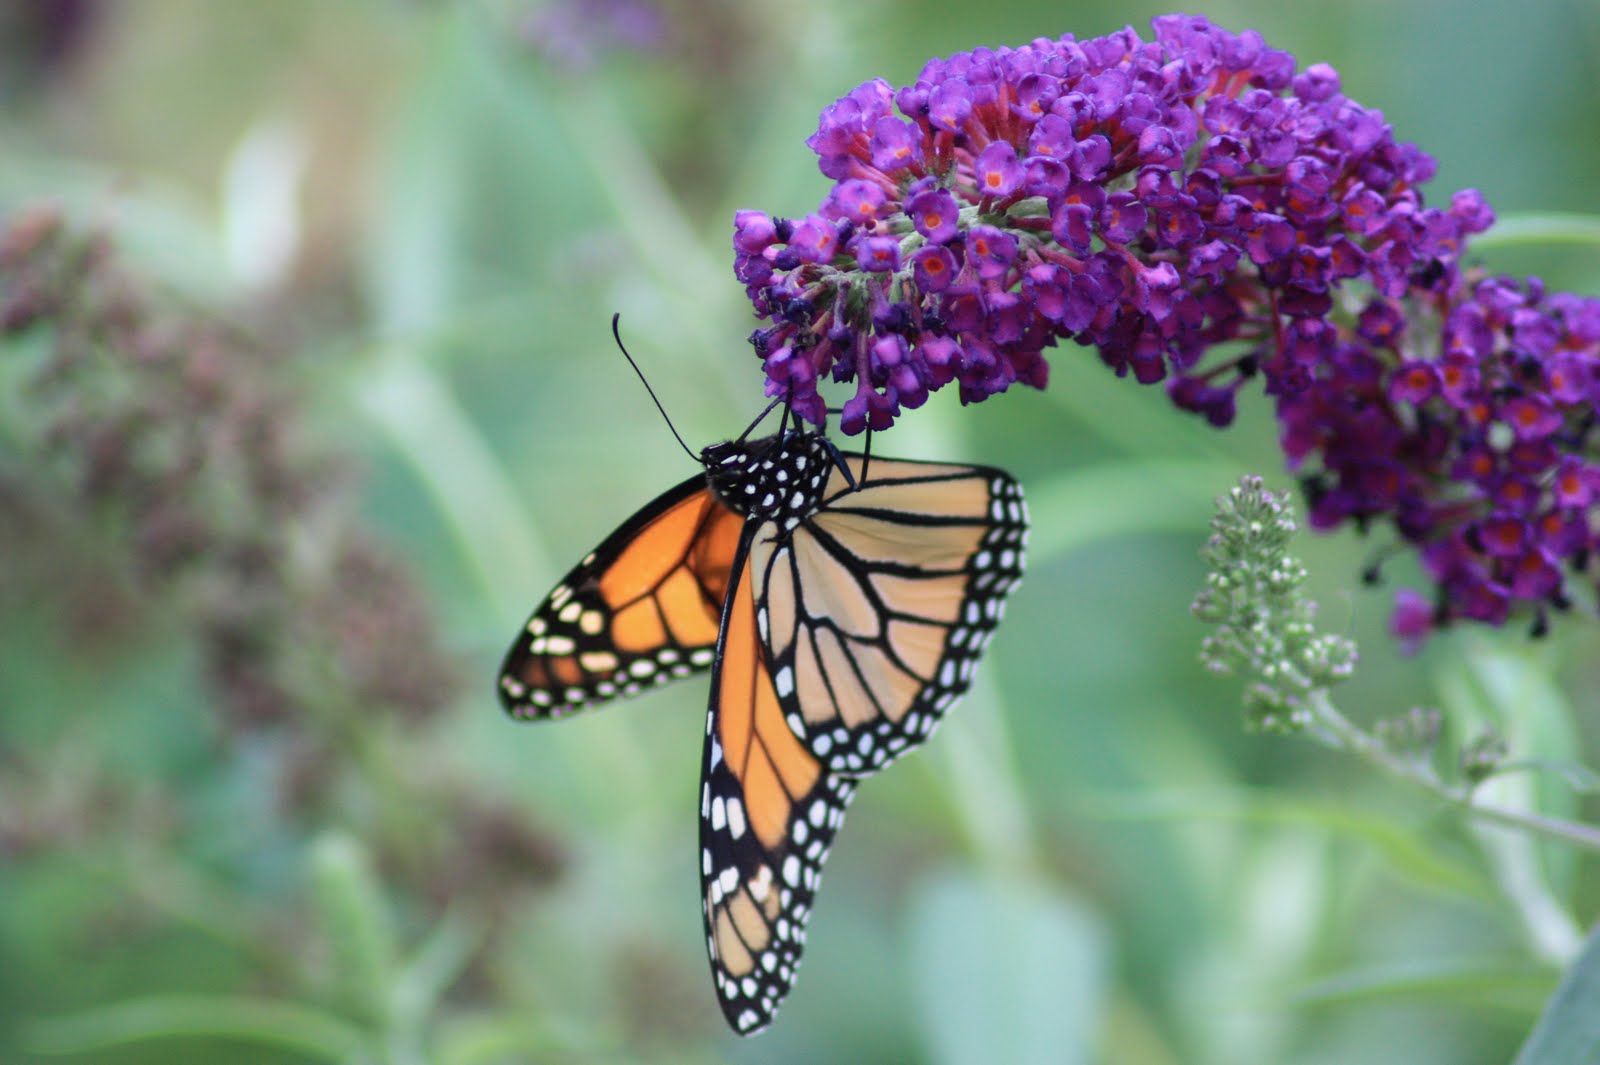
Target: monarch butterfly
841	605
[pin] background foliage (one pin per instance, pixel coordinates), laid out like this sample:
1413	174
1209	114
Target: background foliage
310	397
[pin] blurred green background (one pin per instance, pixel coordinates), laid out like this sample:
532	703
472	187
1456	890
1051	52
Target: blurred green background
341	404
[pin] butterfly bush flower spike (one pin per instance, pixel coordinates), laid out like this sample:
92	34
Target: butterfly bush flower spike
1202	214
1264	624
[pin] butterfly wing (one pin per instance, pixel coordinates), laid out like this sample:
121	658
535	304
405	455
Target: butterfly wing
641	609
879	606
768	813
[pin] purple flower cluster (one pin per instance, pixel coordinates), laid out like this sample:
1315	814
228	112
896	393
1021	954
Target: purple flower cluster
1152	199
1470	428
1203	215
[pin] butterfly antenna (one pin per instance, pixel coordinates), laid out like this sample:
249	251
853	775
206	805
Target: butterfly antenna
866	456
616	333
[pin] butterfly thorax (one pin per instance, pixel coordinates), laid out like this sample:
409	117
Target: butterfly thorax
771	479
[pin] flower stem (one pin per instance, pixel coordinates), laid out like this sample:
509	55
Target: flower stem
1338	731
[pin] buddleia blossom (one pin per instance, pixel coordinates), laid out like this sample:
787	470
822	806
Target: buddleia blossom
182	442
1153	199
1202	214
1470	429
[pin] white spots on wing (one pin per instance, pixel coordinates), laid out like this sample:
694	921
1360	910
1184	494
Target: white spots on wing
701	656
598	661
736	824
719	814
783	681
642	667
791	871
818	812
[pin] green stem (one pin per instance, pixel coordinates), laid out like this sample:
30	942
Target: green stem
1338	731
264	1022
1541	228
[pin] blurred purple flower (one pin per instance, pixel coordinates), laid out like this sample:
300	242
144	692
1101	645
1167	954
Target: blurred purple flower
576	33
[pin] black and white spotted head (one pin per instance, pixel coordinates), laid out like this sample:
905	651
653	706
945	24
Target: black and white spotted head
772	479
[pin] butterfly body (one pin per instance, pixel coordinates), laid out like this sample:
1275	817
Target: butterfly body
841	608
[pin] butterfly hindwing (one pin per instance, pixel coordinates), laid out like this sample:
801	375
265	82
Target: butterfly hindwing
878	606
768	814
642	608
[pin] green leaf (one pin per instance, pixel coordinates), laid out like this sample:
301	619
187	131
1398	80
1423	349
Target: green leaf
1568	1033
1580	778
1493	982
308	1031
356	922
1395	840
1004	970
1541	228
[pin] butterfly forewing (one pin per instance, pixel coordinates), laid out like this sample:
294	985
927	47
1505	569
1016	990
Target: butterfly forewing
641	609
768	813
878	607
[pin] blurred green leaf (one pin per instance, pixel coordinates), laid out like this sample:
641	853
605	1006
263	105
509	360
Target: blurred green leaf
1579	778
422	981
1541	227
1511	690
312	1032
1507	984
1005	971
1568	1033
1111	499
1398	843
355	921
